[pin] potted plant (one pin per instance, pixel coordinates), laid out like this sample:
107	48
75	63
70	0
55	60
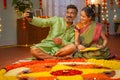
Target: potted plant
22	5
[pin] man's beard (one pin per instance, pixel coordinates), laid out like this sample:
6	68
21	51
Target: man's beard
69	19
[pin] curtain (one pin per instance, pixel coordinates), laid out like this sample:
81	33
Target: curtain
58	7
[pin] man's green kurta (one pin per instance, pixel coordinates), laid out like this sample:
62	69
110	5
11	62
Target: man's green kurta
58	29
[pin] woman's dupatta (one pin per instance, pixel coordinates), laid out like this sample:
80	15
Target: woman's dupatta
88	34
97	32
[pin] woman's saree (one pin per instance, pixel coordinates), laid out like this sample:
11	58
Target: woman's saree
90	37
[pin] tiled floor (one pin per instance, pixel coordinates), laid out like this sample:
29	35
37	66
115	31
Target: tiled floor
10	55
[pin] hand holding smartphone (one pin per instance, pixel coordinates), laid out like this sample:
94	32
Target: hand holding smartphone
30	14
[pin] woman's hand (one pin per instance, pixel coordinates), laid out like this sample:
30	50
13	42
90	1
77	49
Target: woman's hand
81	47
57	41
100	46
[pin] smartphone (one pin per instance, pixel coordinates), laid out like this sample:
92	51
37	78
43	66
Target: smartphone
30	14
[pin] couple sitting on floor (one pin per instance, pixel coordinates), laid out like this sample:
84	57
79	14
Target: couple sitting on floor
66	40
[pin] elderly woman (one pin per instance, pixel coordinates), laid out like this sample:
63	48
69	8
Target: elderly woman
90	38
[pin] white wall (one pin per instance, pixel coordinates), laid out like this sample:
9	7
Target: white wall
8	21
8	35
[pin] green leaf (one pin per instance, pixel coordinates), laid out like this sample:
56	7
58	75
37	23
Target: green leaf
22	5
14	2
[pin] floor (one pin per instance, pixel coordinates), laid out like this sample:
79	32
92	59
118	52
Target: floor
11	54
